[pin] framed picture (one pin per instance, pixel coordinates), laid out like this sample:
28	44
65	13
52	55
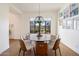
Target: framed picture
74	9
60	14
66	12
77	24
64	24
60	22
70	24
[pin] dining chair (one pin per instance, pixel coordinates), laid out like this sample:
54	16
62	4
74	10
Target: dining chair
24	47
53	37
56	46
27	37
52	41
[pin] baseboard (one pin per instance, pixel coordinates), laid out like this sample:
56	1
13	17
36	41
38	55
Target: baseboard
69	47
4	51
14	39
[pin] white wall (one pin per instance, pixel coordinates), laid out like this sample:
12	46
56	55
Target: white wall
51	14
16	21
70	37
22	22
4	22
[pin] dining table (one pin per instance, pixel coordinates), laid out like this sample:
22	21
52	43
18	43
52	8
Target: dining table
33	38
44	37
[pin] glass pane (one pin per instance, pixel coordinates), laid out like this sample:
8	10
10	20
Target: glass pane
43	27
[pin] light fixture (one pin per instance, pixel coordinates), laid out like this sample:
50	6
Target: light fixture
39	19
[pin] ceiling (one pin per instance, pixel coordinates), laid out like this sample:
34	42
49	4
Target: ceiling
34	7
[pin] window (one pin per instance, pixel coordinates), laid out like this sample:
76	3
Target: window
45	26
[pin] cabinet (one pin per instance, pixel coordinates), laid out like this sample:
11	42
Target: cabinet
41	48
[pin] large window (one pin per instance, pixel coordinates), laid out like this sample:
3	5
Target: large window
45	26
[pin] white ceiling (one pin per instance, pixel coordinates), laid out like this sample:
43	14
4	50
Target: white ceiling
34	7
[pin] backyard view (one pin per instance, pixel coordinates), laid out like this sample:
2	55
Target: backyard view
45	26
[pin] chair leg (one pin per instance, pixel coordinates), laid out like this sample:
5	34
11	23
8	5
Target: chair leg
23	53
34	51
60	51
55	52
19	52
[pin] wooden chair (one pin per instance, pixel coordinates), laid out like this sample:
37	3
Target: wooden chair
56	46
41	49
22	47
25	47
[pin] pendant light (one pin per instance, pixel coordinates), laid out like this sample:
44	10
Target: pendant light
39	19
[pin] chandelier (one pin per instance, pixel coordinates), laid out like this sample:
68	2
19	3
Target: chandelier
39	19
